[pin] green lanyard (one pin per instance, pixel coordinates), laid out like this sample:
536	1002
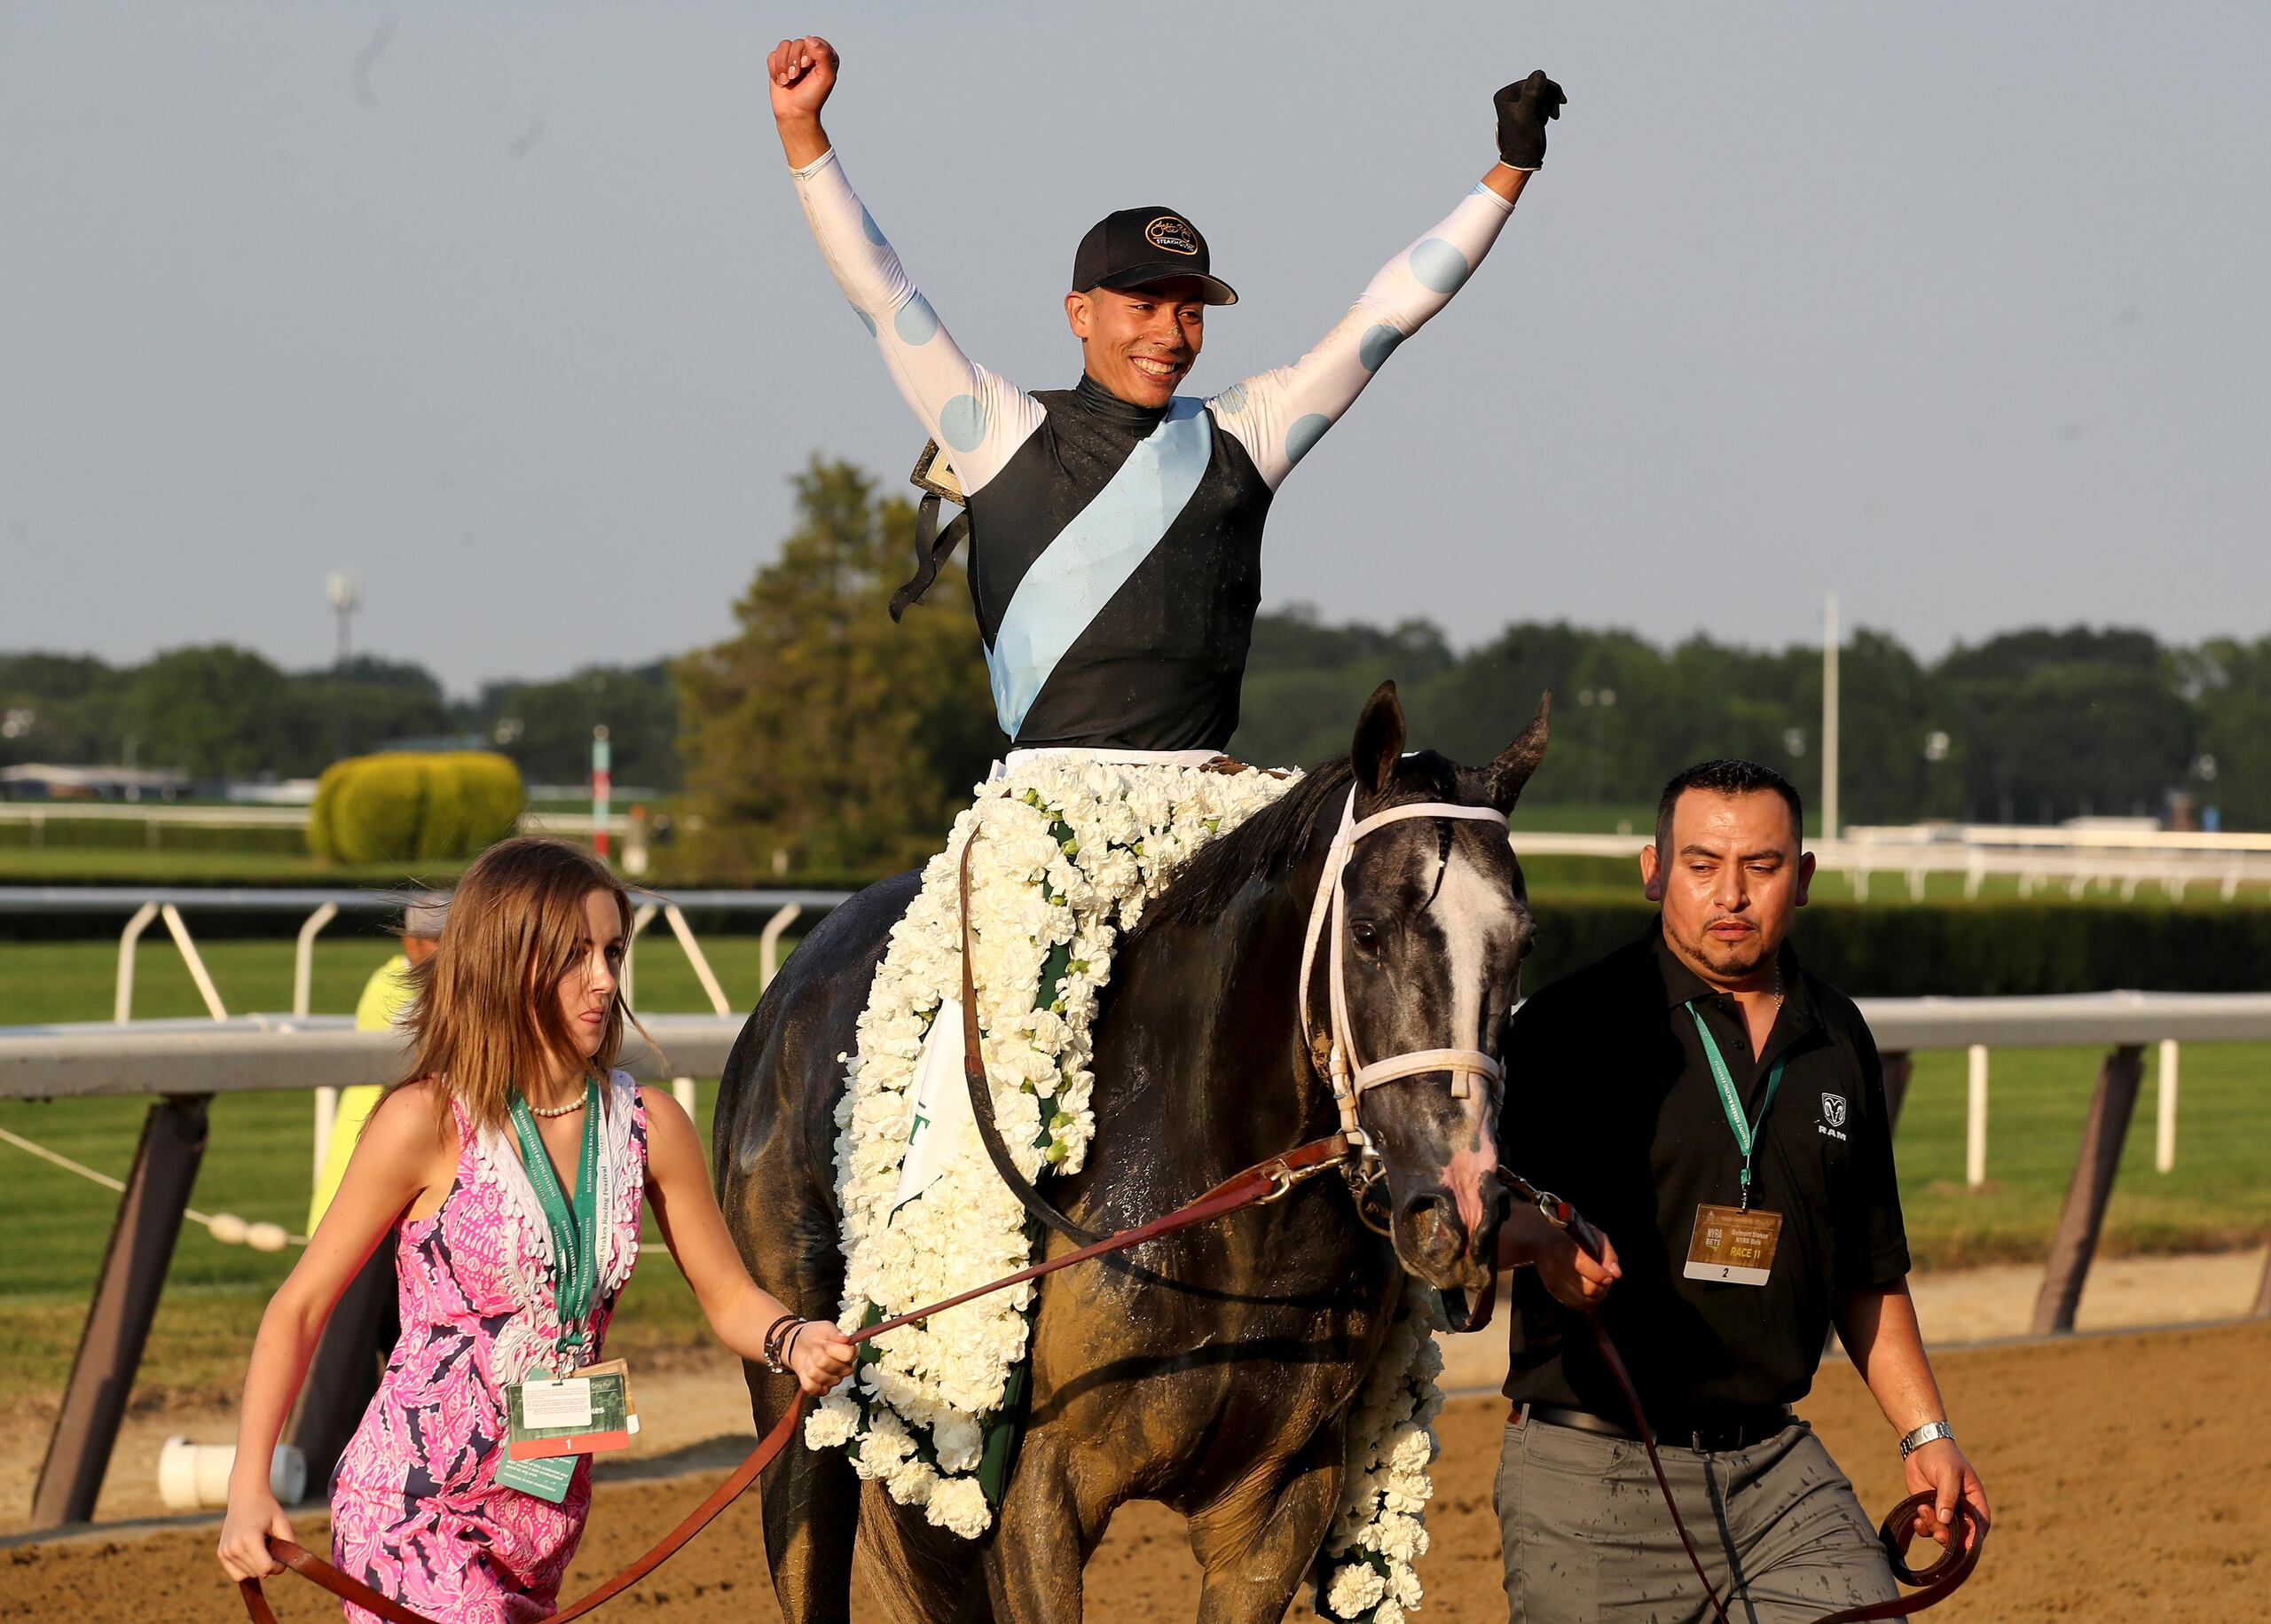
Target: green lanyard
575	1230
1746	1133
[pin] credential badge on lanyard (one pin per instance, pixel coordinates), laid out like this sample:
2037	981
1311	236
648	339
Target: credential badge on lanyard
1735	1245
550	1419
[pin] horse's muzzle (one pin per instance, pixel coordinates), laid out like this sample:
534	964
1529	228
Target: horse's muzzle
1439	1244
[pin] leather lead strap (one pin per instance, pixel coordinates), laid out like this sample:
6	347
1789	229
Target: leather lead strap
1938	1582
1476	1315
1261	1182
981	1089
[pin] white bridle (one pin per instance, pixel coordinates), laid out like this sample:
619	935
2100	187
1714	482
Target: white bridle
1345	1070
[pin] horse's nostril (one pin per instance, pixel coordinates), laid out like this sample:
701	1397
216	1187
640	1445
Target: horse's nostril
1439	1204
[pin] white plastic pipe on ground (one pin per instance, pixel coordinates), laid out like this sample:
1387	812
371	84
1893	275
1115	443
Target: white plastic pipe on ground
194	1475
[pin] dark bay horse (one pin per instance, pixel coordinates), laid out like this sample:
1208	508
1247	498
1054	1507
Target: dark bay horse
1211	1371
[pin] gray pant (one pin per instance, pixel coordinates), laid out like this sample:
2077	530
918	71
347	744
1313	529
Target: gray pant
1586	1535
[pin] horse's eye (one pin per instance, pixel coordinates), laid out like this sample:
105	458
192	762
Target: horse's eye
1364	934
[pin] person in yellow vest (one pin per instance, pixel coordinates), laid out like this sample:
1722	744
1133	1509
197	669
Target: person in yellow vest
344	1372
384	998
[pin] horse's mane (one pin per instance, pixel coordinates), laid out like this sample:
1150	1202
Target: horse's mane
1259	849
1271	840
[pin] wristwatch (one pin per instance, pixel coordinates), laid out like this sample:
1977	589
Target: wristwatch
1931	1431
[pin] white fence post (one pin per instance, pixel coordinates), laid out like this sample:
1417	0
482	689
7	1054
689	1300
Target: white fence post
2165	1136
639	921
303	956
303	976
123	1005
769	944
682	1087
1975	1120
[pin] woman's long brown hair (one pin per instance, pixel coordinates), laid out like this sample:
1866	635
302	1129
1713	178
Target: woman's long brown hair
486	1013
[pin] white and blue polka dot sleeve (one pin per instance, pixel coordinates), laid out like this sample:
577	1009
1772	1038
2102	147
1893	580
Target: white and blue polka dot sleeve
977	417
1278	415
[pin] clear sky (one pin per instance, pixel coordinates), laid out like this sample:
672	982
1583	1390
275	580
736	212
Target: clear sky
509	311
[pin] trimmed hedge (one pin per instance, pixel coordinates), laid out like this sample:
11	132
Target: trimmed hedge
1965	949
401	807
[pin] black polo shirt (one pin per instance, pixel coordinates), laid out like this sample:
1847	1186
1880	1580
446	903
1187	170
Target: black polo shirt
1610	1103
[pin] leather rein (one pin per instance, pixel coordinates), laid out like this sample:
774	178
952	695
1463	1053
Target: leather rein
1264	1182
1269	1181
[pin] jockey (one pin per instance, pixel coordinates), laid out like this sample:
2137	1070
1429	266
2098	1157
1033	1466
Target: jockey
1116	526
1115	551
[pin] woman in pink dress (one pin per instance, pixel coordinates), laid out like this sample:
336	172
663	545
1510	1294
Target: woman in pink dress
517	1021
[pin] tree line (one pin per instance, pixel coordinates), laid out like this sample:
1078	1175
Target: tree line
821	738
218	711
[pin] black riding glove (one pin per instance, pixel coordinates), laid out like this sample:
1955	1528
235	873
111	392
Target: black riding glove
1522	111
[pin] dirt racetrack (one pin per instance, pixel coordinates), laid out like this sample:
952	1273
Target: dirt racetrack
2131	1478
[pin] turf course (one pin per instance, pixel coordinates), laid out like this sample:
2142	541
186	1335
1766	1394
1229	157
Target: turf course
257	1163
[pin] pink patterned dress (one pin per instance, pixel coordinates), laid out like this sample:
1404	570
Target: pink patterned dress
416	1513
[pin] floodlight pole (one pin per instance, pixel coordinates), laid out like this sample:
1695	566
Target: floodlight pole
1829	639
345	593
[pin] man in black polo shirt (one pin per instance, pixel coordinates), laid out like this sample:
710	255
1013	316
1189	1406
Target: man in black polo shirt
1719	1114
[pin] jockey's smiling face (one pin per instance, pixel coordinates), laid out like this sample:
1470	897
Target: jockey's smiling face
1140	342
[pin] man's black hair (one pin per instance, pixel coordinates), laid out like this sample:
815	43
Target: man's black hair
1726	776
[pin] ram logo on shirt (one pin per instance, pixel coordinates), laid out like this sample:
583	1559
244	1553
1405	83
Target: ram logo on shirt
1832	1115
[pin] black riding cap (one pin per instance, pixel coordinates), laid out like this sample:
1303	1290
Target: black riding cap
1135	246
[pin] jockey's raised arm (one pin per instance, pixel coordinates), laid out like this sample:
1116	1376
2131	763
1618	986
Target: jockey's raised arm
1278	415
976	415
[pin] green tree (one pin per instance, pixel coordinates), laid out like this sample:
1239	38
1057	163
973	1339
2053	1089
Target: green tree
546	726
348	709
2062	723
209	711
1600	752
59	708
2232	681
1305	682
1892	707
821	729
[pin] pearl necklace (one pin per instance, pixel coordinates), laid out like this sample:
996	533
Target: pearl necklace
569	1109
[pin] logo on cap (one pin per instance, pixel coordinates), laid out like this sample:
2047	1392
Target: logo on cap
1169	232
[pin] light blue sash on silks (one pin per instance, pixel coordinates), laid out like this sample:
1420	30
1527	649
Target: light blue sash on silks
1092	557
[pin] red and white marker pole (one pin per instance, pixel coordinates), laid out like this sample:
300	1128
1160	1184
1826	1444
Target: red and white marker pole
602	781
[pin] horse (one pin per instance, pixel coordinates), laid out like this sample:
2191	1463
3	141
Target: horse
1213	1370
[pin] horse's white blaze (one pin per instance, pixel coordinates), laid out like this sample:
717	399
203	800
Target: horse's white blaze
1474	911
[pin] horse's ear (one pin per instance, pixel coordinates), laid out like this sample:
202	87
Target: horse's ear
1379	740
1504	779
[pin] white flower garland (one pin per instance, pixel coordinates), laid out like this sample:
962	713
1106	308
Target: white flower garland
1367	1572
1071	849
